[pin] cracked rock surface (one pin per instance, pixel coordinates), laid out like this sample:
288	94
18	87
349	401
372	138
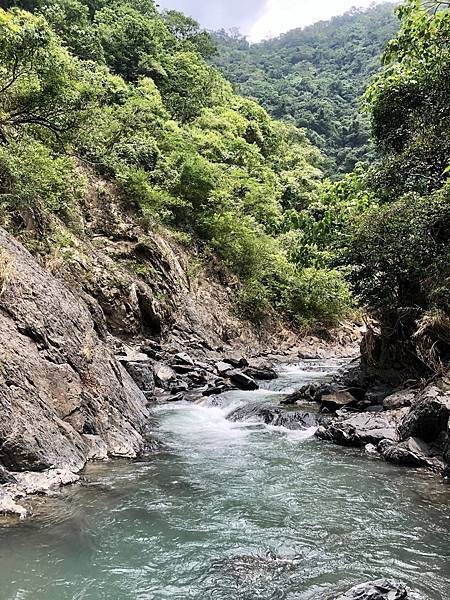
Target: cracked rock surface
63	395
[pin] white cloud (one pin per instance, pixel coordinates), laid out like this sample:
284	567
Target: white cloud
282	15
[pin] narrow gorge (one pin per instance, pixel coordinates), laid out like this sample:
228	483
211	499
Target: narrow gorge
224	305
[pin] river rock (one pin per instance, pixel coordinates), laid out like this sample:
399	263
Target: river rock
9	506
361	429
428	417
236	360
6	476
311	392
58	380
175	398
337	400
30	483
273	415
223	368
398	399
381	589
198	378
164	375
242	381
183	369
183	358
261	373
410	453
179	386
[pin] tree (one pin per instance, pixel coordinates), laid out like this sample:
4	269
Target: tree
133	40
409	102
189	33
70	19
188	85
42	87
314	78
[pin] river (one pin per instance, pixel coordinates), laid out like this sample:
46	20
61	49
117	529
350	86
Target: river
234	511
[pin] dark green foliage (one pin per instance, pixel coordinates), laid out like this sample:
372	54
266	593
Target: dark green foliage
401	256
400	250
132	42
410	107
189	34
314	78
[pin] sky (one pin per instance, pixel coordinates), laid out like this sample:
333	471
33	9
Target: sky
259	19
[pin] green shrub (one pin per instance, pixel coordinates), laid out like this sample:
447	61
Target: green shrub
317	295
33	178
400	257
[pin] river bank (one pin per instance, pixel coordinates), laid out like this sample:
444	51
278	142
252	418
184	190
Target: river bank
408	427
233	510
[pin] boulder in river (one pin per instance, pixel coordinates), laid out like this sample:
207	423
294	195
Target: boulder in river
398	399
337	400
164	376
381	589
312	392
6	476
428	417
410	453
223	368
261	373
8	506
273	415
242	381
361	429
236	360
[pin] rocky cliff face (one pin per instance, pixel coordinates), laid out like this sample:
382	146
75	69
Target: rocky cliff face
107	316
63	396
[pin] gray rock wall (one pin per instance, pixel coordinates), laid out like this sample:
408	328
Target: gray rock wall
63	396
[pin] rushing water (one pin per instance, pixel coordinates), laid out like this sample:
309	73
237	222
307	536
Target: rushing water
234	511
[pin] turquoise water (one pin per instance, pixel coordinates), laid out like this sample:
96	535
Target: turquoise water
233	511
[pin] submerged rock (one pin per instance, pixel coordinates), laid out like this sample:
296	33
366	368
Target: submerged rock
248	569
381	589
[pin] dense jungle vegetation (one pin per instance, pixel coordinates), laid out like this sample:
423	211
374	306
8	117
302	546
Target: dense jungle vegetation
315	77
130	93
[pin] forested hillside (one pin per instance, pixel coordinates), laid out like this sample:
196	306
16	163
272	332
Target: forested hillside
389	225
119	88
314	78
126	93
